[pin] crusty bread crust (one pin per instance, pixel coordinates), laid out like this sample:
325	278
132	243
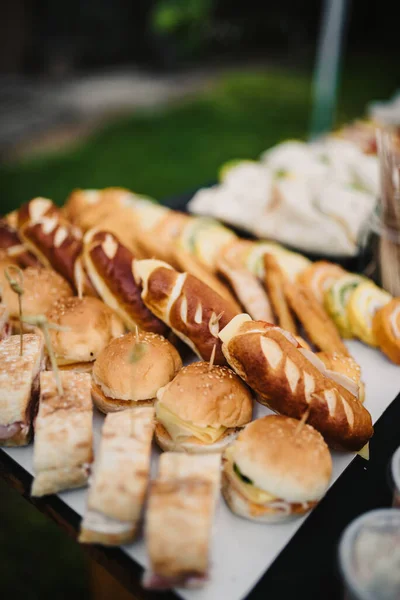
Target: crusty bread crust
194	311
109	264
288	383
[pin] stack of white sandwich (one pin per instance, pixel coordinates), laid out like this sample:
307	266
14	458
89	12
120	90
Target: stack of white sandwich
317	197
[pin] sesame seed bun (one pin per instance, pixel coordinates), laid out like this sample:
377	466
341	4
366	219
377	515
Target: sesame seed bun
293	465
208	397
90	325
131	370
205	397
42	287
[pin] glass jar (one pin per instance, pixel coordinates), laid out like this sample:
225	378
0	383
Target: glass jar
369	556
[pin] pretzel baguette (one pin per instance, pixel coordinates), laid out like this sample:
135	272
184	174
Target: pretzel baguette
194	311
55	242
188	263
109	265
12	247
291	380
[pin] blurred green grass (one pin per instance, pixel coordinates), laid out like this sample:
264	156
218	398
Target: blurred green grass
179	147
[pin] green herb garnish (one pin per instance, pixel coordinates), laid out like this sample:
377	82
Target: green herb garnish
139	350
240	475
281	173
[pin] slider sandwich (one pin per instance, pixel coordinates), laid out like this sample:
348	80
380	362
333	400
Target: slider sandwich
42	288
120	479
62	451
131	369
277	468
19	387
202	409
88	326
179	520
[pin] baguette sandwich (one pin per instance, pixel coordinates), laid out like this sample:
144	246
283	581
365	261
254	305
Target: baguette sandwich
179	520
62	452
120	478
19	387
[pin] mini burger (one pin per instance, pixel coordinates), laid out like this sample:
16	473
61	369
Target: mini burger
131	369
202	409
277	468
42	287
86	325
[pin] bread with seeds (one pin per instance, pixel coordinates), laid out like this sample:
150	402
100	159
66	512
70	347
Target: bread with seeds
193	311
291	380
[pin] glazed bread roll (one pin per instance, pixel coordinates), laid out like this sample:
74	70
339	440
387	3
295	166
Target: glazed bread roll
109	265
192	309
292	380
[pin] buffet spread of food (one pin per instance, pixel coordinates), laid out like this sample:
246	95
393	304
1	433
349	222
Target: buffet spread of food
106	301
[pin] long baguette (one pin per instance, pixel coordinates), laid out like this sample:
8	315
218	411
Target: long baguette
290	380
109	265
56	243
194	311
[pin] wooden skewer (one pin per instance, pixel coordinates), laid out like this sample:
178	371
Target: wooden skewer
212	357
42	323
304	418
17	286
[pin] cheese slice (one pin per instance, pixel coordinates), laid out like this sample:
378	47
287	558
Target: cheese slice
179	429
250	491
